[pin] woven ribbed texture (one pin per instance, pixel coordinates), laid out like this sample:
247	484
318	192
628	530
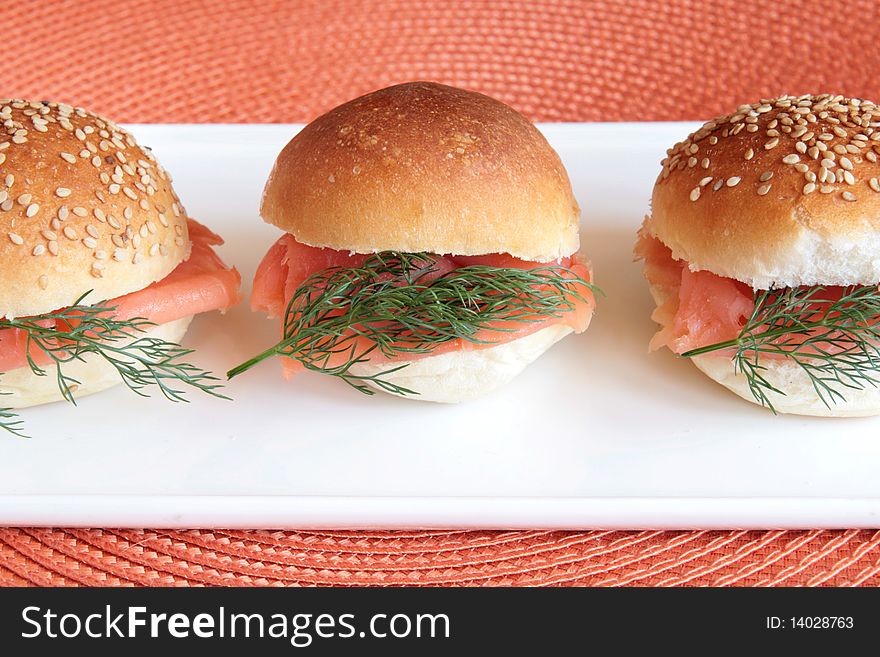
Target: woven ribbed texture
259	558
262	60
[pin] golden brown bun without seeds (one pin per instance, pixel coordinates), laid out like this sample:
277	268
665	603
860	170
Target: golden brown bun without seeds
424	167
794	200
82	207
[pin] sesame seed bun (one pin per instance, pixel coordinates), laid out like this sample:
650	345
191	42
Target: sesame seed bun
21	388
82	207
800	396
424	167
780	193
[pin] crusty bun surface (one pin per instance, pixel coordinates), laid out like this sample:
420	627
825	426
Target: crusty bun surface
800	397
21	388
424	167
82	207
782	192
464	375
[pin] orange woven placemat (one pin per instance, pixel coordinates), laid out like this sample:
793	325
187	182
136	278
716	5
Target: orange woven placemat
262	60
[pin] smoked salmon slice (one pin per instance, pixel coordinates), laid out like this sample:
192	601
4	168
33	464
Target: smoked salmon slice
289	263
698	308
199	284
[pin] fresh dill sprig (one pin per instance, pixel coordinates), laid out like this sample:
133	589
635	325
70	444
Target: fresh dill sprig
142	361
834	339
393	305
9	421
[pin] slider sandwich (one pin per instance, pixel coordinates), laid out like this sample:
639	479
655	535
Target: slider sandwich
102	270
430	248
763	253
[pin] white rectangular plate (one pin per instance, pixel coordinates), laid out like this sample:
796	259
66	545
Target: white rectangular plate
597	433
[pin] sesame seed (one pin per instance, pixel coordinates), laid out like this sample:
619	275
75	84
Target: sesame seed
15	238
69	233
800	167
848	178
826	189
809	188
119	254
692	162
136	259
704	163
80	211
874	183
828	163
90	242
99	215
24	199
791	159
32	209
771	144
43	281
733	181
763	189
846	163
67	157
49	235
750	154
703	182
101	255
39	250
63	192
114	188
695	193
849	196
718	184
91	230
53	247
767	175
154	250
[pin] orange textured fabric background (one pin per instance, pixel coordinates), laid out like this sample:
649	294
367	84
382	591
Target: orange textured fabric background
555	60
